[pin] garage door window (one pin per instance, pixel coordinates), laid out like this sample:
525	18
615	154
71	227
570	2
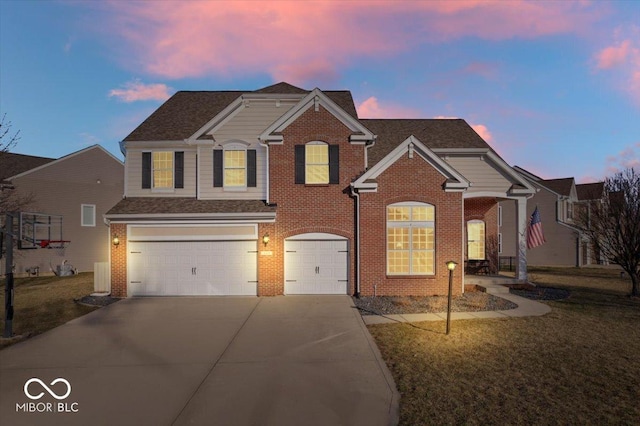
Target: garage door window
410	239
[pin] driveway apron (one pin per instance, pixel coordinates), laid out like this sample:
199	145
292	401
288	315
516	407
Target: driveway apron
202	361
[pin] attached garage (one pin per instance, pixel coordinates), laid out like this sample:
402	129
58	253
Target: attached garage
158	265
316	264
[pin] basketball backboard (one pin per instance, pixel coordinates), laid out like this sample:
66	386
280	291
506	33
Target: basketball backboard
39	230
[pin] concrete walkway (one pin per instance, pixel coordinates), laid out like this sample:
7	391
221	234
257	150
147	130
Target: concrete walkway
526	308
294	360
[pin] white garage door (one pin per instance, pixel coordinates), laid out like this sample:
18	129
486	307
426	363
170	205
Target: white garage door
315	267
192	268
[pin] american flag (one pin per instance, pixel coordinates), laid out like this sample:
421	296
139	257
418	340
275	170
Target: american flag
535	236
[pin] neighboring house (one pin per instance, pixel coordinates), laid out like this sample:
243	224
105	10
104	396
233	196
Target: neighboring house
557	201
589	196
76	190
286	191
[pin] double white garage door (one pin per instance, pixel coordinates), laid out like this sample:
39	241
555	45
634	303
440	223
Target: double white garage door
217	268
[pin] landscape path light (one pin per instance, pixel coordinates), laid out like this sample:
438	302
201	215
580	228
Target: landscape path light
451	265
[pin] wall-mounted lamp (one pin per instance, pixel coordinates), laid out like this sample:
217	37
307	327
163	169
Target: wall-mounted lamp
115	240
265	239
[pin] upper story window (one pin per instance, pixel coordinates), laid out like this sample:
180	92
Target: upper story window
235	167
410	239
162	170
317	163
475	240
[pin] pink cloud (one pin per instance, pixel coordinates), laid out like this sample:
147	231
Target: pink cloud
628	158
371	108
483	131
612	56
303	41
137	91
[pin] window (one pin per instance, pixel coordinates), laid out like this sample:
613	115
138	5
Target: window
235	164
500	243
162	170
88	215
316	163
475	240
410	239
162	162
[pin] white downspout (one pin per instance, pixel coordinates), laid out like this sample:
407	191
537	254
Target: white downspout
357	240
266	145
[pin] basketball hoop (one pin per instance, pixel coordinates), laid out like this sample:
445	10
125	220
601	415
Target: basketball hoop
54	244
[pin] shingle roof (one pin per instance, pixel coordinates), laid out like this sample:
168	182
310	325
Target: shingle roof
184	205
186	112
13	164
590	191
560	186
434	133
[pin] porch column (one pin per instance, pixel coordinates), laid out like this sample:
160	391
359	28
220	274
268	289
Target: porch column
521	239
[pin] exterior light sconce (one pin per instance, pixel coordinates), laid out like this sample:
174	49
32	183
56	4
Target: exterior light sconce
115	240
451	265
265	239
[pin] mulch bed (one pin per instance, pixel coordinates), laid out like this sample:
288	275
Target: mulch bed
96	300
468	302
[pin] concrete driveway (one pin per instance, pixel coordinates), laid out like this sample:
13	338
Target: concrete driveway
203	361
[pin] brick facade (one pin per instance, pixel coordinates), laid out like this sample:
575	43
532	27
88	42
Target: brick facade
410	180
119	260
307	208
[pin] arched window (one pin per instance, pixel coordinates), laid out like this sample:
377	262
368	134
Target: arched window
475	240
410	239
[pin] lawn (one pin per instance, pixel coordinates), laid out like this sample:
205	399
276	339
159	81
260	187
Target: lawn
43	303
579	364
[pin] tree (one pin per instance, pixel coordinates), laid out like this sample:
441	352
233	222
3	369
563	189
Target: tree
7	141
613	223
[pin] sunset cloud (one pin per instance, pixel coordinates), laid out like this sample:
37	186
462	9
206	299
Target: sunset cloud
135	90
483	131
621	61
628	158
612	56
195	39
371	108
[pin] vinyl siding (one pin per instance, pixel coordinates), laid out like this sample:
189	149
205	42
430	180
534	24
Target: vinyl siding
134	175
61	189
480	172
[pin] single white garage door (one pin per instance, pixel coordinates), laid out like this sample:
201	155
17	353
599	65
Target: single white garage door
315	267
211	268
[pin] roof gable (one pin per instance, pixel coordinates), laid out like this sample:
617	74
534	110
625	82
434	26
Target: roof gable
315	99
412	146
562	186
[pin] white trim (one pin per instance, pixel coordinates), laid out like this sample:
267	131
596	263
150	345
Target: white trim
221	237
316	236
458	182
192	217
222	117
66	157
316	97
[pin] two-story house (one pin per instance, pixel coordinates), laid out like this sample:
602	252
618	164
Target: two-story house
558	202
287	191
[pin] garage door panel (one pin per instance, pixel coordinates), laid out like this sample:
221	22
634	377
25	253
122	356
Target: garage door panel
192	268
316	267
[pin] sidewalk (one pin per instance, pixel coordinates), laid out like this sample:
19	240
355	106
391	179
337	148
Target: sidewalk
526	308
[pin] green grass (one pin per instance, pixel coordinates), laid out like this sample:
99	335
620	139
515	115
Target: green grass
579	364
43	303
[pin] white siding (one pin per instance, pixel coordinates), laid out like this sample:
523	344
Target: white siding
482	174
133	165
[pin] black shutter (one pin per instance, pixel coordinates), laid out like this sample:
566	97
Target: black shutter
146	170
334	164
251	168
300	166
179	169
217	168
